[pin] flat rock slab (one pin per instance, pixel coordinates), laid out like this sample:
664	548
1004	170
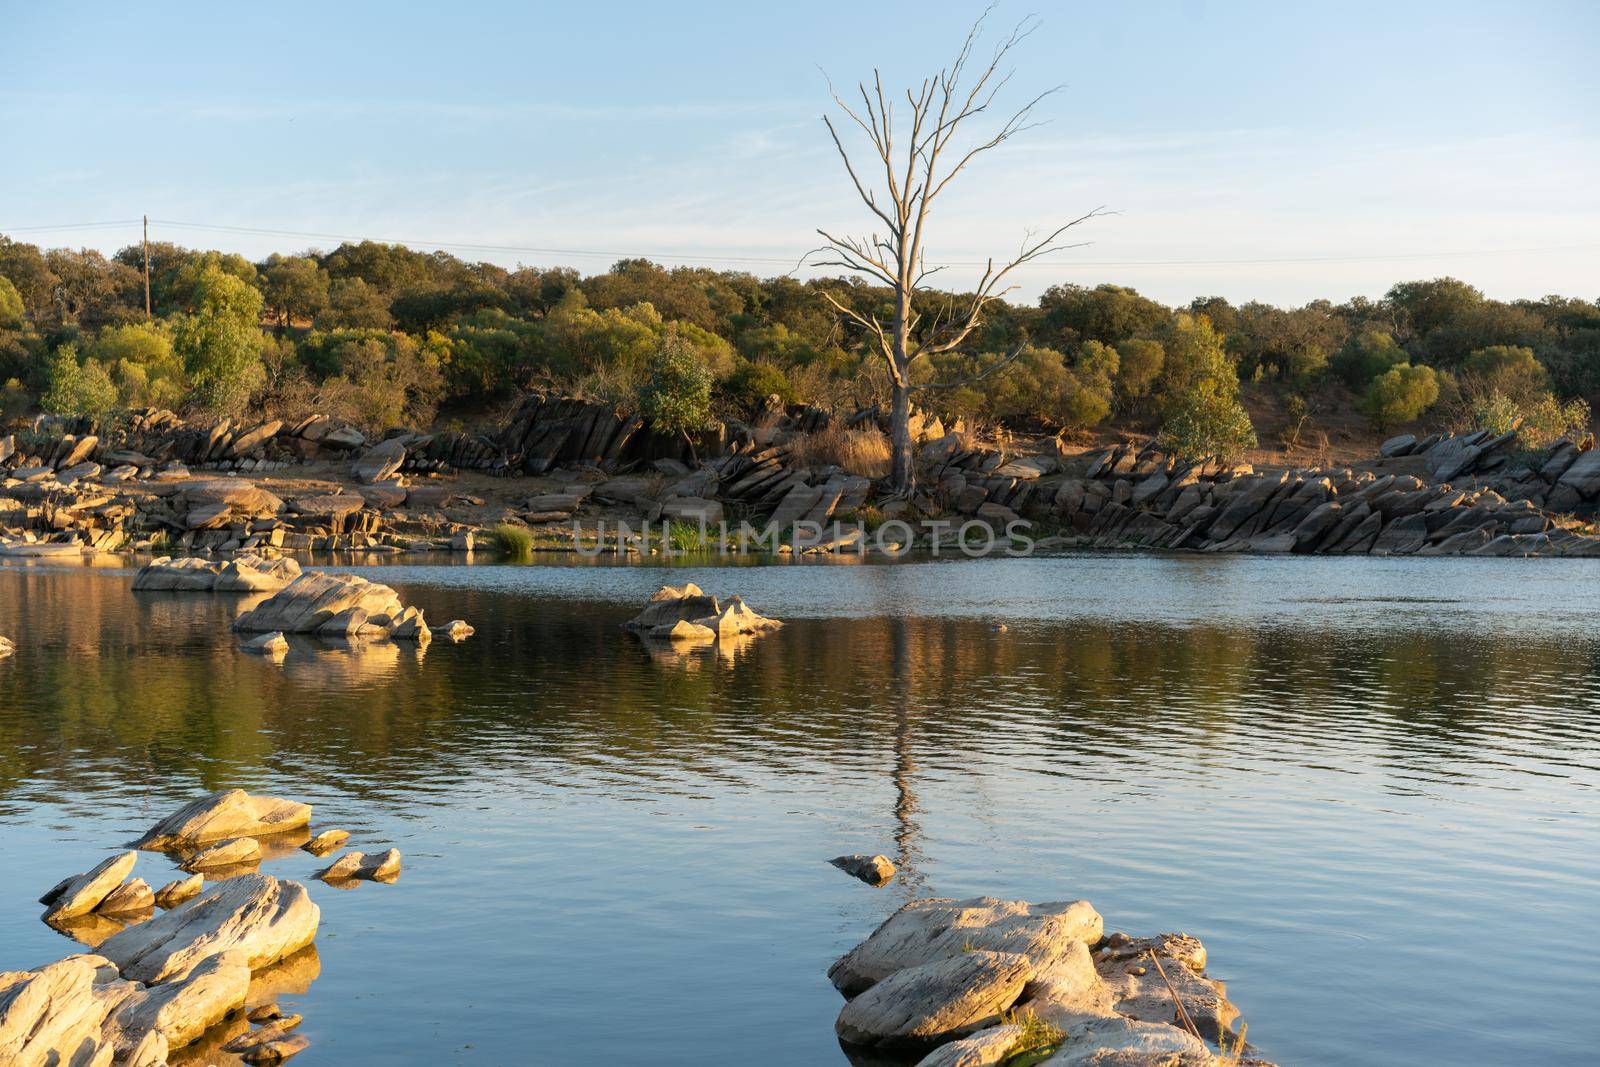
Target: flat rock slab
925	931
379	462
82	893
935	1001
229	813
261	916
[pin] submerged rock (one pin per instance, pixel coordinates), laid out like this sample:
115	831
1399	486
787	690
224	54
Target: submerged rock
311	600
874	870
326	841
229	813
276	1051
935	1001
82	893
264	917
272	644
235	850
275	1028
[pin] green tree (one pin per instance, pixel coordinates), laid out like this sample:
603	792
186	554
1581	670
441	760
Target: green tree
1207	420
141	361
1367	354
1400	394
1139	363
1509	369
354	304
77	389
294	287
1194	360
11	310
676	394
220	343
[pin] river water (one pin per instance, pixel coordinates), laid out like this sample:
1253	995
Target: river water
1370	786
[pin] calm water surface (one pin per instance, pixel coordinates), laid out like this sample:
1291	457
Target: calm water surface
1370	786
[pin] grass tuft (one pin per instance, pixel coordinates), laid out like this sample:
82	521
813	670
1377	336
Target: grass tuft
1038	1041
516	542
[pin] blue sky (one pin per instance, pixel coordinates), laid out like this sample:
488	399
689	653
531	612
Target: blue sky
1272	151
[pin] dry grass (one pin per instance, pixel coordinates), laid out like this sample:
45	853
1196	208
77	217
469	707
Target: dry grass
863	450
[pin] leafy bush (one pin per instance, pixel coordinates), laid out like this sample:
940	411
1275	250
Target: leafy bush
77	389
750	385
1207	421
1538	423
1139	365
1400	394
676	394
11	310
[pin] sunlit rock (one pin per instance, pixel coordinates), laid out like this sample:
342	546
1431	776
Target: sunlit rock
264	917
234	851
935	1001
82	893
229	813
326	841
925	931
55	1015
183	1009
179	890
311	600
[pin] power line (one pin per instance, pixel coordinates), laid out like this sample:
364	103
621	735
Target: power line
1058	265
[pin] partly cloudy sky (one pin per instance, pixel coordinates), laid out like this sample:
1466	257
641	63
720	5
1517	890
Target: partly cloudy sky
1257	151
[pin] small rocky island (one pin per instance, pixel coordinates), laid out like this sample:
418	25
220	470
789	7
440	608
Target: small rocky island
981	982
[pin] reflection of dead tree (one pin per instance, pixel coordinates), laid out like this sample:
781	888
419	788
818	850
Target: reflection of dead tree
900	185
908	853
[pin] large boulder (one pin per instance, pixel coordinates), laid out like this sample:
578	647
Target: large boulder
312	599
379	462
225	814
263	917
672	604
925	931
935	1001
82	893
1583	474
986	1048
54	1016
243	574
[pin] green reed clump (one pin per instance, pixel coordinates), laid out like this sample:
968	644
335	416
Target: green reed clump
515	542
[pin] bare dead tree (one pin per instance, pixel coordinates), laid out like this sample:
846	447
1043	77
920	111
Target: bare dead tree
914	172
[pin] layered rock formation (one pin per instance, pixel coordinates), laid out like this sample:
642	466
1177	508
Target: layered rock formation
974	982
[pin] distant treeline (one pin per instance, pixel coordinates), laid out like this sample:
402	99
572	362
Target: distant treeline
384	335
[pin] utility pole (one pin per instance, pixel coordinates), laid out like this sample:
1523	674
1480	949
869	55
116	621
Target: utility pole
147	268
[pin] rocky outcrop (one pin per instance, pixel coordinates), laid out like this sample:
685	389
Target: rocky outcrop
874	870
925	931
229	813
242	574
181	1011
1143	498
262	917
55	1016
988	980
315	600
686	613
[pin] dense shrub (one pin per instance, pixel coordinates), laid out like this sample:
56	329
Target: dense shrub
1400	394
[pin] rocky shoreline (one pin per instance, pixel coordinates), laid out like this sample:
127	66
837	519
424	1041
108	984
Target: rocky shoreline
562	468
